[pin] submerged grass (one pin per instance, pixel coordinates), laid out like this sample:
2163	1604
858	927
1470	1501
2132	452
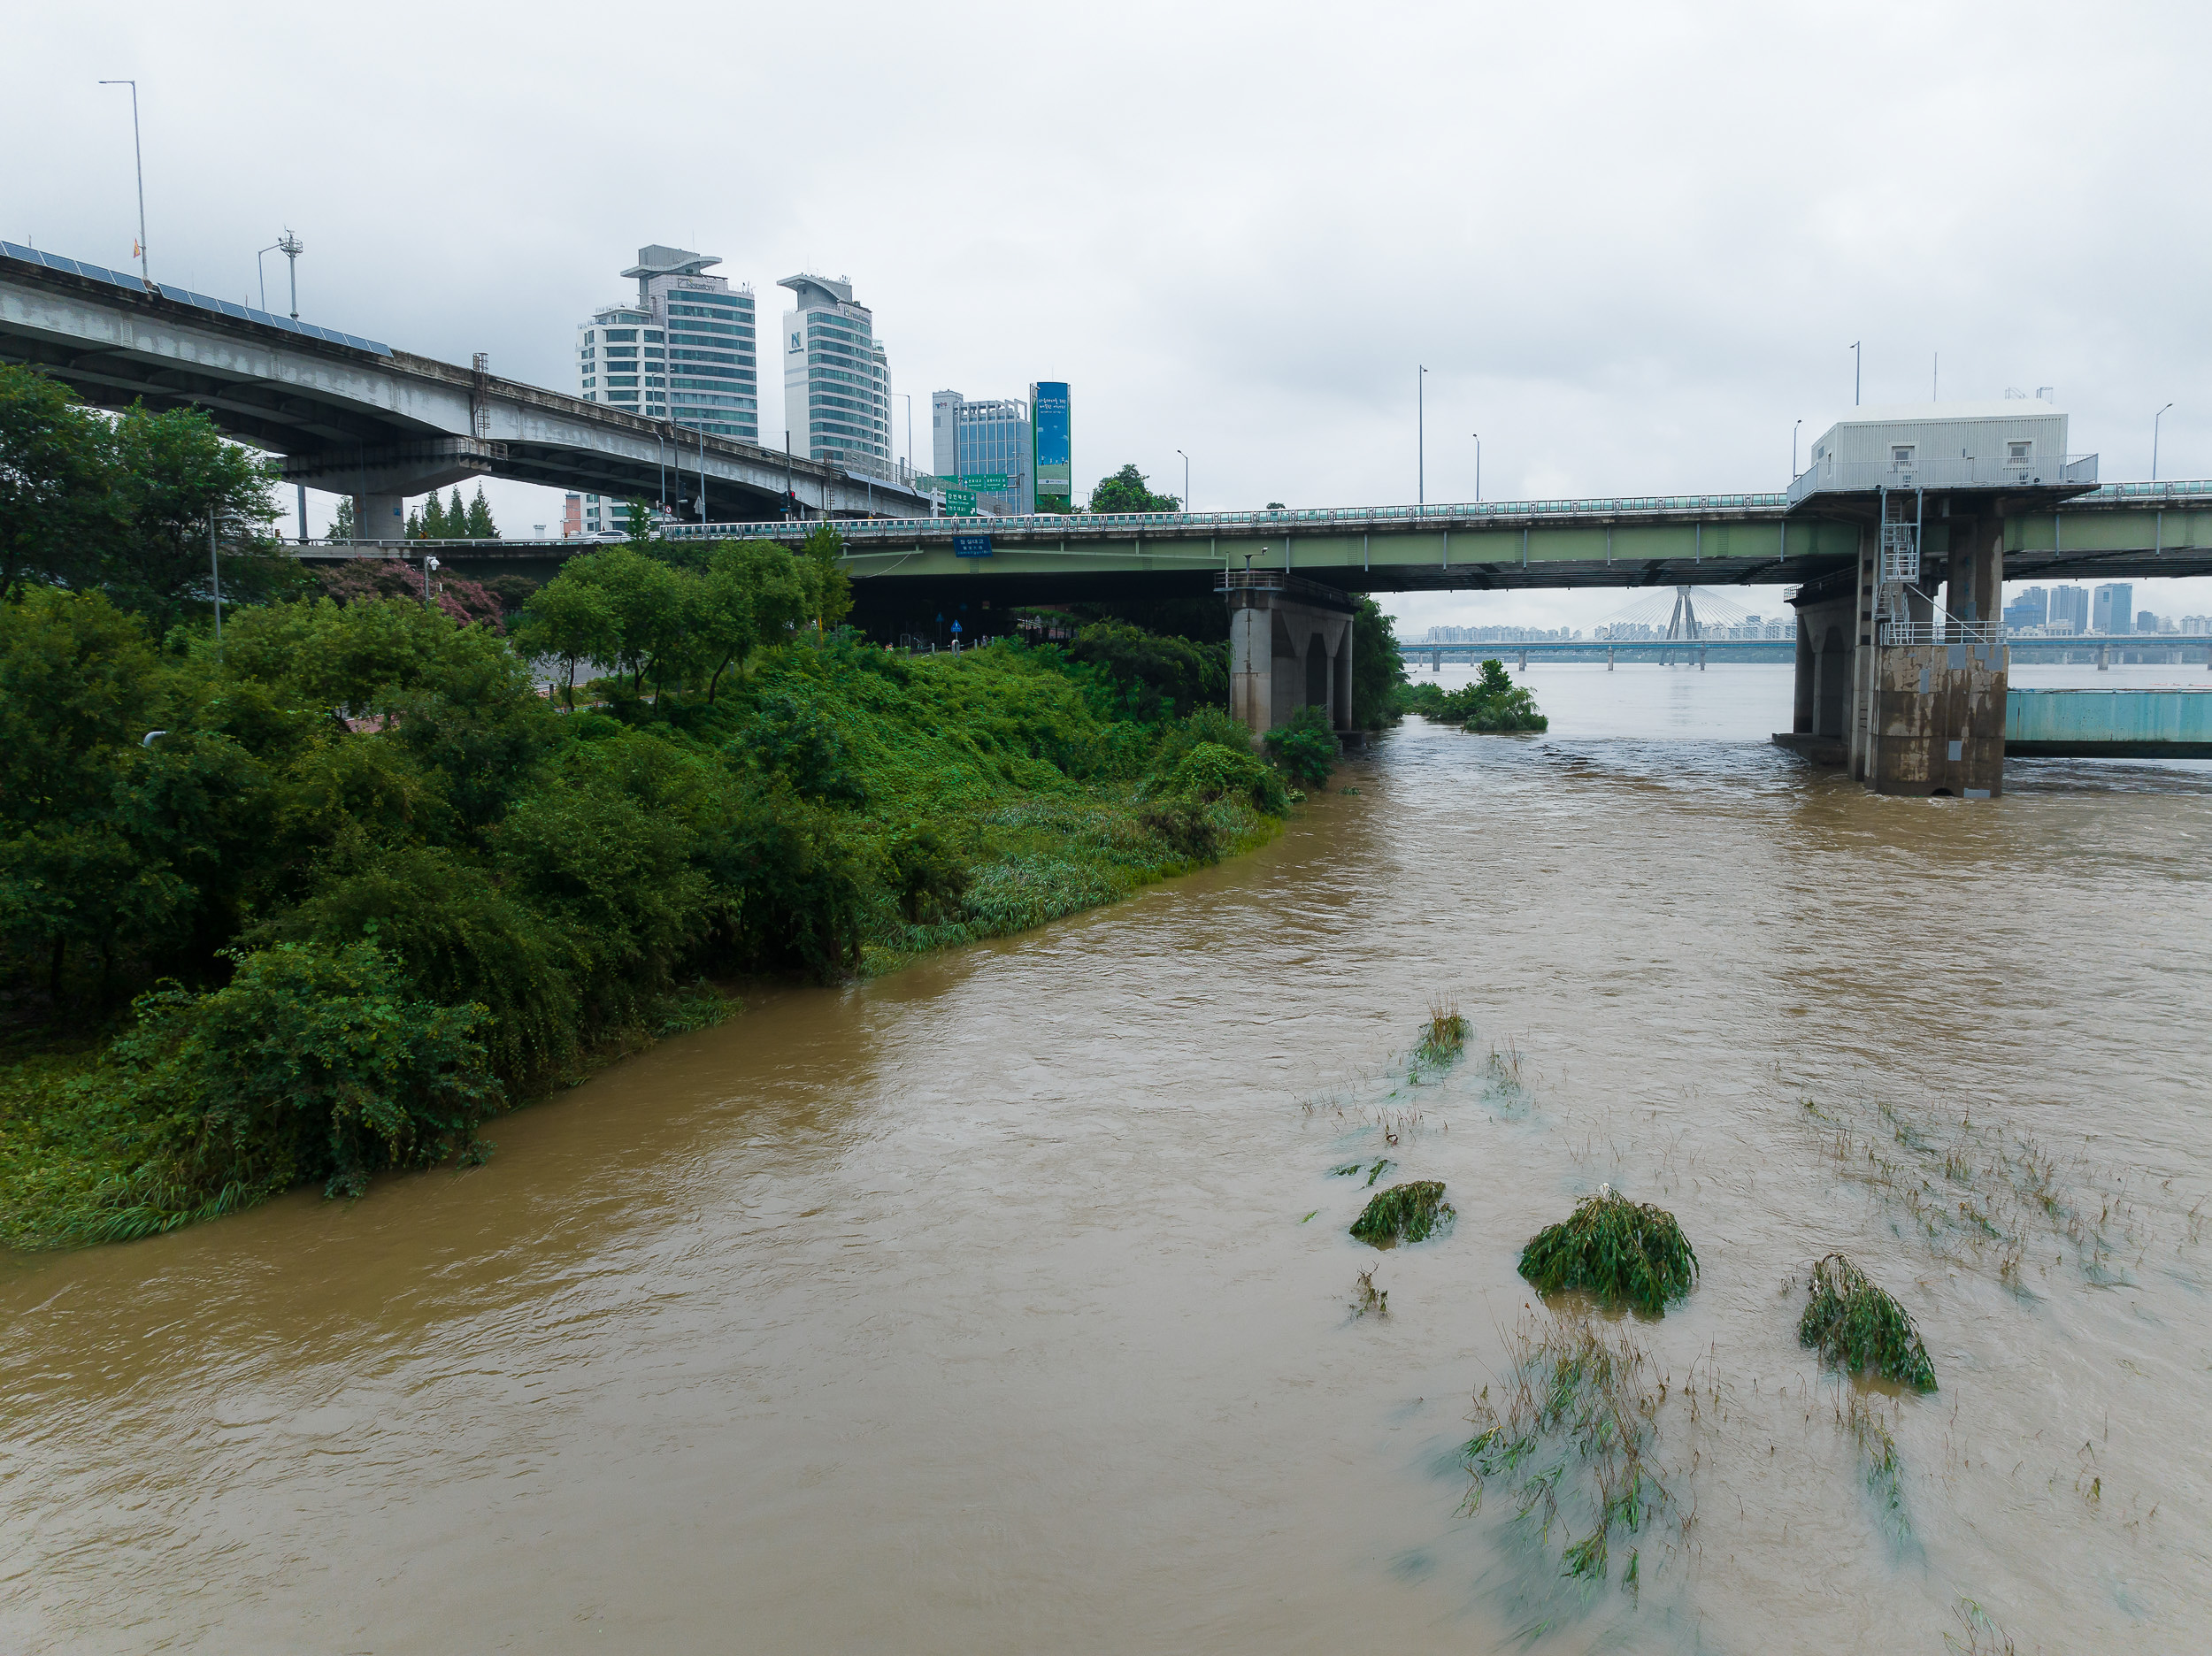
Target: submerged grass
1571	1441
1859	1327
1878	1457
1444	1037
1404	1213
1622	1252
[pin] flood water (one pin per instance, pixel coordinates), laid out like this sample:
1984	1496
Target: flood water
978	1310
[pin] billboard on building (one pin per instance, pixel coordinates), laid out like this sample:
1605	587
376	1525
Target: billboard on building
1054	458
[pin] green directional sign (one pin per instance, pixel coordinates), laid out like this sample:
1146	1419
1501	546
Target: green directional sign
988	483
960	503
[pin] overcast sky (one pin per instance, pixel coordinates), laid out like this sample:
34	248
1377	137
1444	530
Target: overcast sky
1632	242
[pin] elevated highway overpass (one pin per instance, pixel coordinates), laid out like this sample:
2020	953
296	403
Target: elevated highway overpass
353	416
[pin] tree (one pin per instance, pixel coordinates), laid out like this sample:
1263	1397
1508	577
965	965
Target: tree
176	474
479	525
572	622
639	522
829	589
429	523
341	520
1126	491
457	517
59	506
1377	667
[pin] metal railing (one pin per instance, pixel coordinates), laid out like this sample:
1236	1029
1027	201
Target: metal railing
1896	634
1964	472
1286	521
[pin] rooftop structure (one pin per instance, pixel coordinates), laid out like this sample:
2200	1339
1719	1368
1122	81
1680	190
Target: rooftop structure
2011	444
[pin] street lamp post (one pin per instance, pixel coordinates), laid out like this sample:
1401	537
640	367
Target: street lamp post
2154	419
1855	359
1478	468
138	155
1793	448
1186	479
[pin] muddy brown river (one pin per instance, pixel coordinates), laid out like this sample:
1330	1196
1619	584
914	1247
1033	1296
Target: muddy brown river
979	1308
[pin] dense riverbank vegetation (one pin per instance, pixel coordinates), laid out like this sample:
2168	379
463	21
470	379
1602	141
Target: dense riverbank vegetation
320	896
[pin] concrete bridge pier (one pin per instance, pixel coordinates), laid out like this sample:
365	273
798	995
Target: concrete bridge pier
1290	646
380	478
1912	700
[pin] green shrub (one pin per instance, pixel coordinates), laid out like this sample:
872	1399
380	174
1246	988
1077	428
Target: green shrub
1184	827
1152	677
1425	698
458	939
792	738
1404	1213
1622	1252
1861	1328
1305	748
927	880
309	1064
1209	771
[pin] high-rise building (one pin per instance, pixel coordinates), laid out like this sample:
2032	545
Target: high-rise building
986	438
2147	621
836	380
2032	607
2070	609
685	351
2113	611
1054	483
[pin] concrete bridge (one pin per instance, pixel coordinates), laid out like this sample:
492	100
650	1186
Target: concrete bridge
355	416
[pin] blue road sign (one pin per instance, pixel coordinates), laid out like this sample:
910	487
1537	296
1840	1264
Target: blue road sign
972	546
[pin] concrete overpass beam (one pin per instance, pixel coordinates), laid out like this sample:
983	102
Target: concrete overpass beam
380	478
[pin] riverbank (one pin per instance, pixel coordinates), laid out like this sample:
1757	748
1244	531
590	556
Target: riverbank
368	937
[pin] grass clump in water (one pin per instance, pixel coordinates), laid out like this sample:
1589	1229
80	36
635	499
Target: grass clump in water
1404	1213
1444	1035
1622	1252
1860	1328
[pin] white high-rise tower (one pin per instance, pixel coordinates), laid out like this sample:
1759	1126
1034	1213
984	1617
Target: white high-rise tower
836	382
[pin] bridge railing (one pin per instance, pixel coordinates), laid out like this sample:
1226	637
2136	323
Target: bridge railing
1287	521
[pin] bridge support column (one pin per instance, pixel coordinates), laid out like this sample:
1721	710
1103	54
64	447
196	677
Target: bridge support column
1936	710
380	478
1290	646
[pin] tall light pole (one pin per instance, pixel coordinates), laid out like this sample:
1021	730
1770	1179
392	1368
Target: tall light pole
1186	479
2154	419
1854	374
1420	439
291	247
909	395
138	155
1793	448
1478	468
